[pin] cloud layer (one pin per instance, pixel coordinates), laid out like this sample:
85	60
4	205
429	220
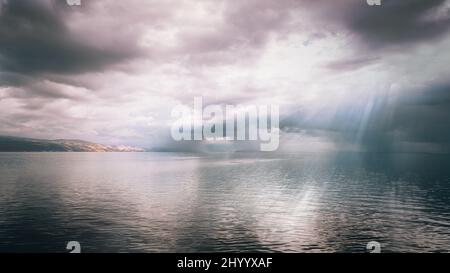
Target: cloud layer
346	75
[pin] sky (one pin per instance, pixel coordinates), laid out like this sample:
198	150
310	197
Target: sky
346	75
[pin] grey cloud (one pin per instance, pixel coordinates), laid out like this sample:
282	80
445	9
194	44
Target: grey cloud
399	22
35	39
352	64
44	90
437	94
394	23
423	116
50	52
13	79
246	27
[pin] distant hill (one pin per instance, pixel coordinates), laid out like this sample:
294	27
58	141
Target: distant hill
18	144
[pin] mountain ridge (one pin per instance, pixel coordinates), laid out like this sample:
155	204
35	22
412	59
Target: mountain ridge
22	144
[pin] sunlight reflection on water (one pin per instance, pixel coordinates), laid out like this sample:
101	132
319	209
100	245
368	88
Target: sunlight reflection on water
158	202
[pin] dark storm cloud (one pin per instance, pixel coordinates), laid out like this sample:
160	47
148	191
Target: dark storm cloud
424	115
13	79
395	22
35	39
401	21
436	95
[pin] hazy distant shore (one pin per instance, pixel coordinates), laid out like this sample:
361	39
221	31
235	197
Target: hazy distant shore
18	144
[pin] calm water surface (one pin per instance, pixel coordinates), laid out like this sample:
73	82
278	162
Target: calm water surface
163	202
